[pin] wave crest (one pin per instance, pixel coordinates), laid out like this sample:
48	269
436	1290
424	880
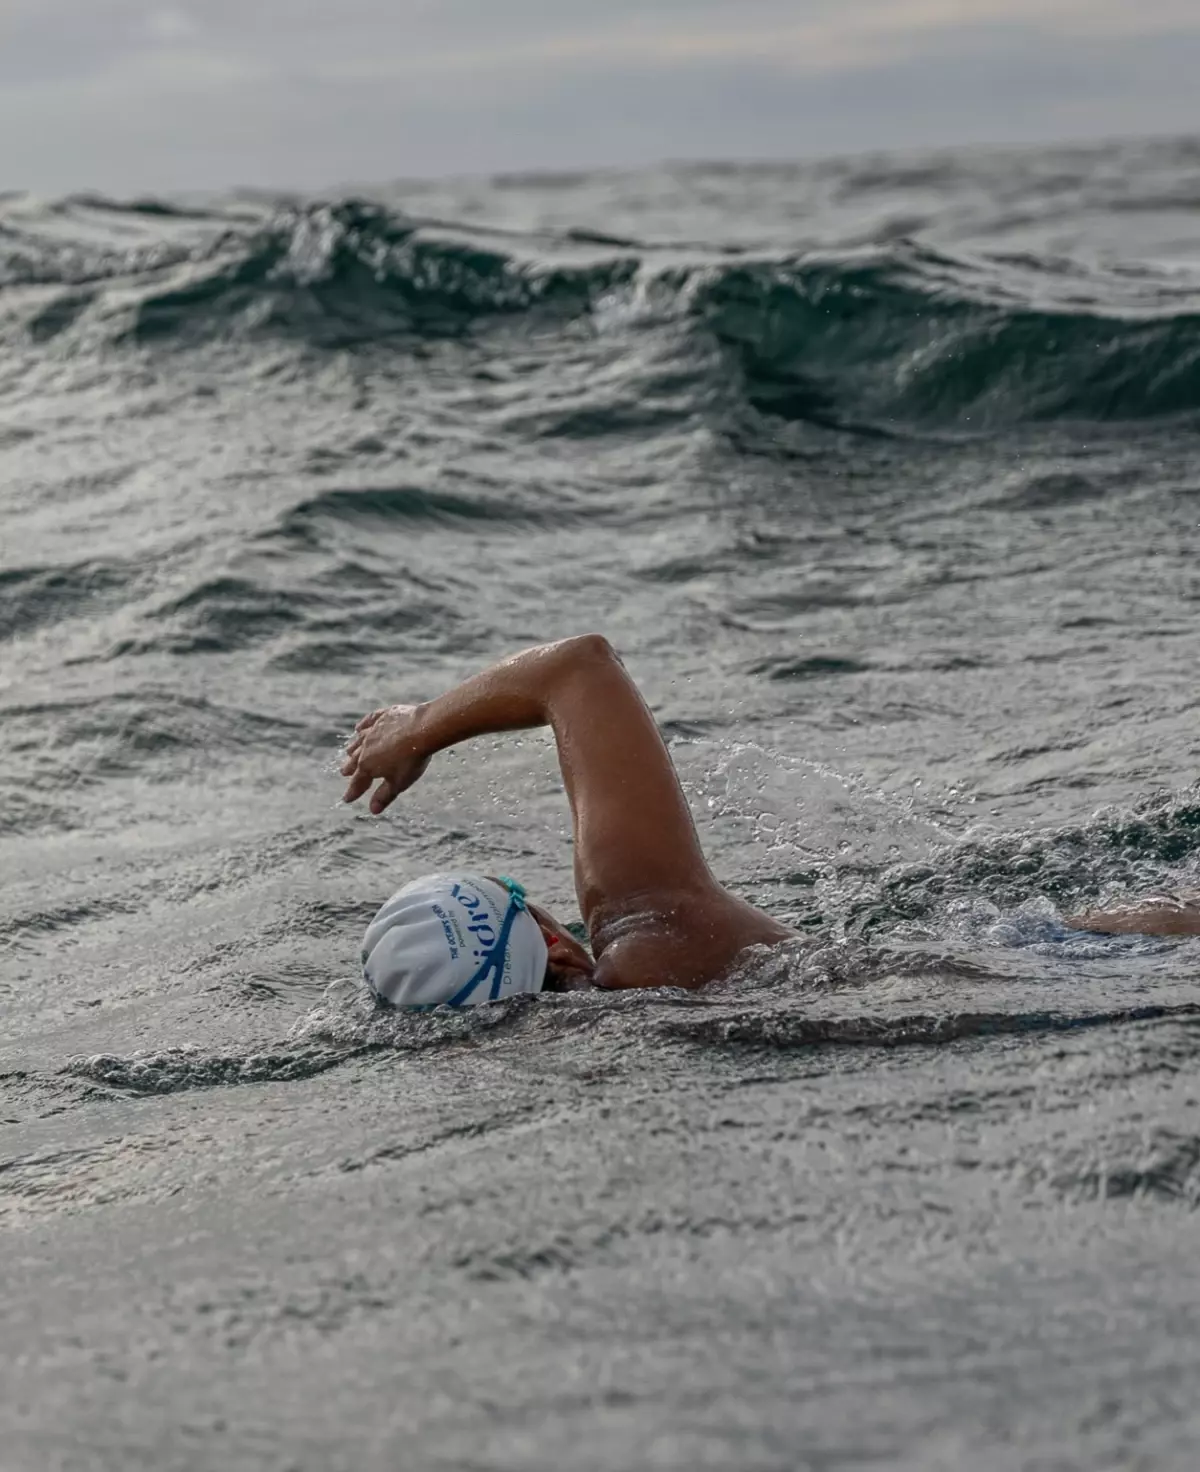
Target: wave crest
350	273
899	335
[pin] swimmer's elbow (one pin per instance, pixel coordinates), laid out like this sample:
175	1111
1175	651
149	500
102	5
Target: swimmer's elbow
582	655
589	649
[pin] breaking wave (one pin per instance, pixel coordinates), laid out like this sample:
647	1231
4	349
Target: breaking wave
869	337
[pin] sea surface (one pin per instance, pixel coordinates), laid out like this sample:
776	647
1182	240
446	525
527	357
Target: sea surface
883	475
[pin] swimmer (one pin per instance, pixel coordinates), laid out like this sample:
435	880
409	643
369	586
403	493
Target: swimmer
655	914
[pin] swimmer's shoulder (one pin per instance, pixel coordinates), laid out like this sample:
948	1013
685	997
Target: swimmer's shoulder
685	939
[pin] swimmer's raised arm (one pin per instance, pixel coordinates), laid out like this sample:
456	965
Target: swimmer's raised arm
639	868
633	827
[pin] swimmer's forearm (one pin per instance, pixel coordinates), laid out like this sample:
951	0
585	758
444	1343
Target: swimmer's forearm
514	695
1163	918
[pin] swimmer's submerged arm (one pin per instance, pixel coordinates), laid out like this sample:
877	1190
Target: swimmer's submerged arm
1152	917
635	842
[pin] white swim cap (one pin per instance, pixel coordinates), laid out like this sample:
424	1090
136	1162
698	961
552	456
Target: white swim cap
456	939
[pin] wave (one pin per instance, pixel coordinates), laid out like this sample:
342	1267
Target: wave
177	1070
117	732
783	1032
893	335
915	336
354	273
328	1039
31	597
1156	1165
373	507
1153	847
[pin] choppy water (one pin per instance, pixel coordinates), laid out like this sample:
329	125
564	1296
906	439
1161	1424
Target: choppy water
884	477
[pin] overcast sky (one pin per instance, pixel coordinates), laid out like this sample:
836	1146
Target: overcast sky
128	96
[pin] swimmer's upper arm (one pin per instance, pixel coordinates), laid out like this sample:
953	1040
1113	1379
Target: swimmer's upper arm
635	841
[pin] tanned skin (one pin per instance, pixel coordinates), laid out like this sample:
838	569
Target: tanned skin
655	914
1163	915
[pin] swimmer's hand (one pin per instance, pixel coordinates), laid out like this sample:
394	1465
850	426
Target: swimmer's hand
385	747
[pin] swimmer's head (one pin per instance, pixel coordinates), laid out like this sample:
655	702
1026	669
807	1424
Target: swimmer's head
461	940
568	964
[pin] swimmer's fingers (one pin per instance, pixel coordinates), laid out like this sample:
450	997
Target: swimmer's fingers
360	782
356	743
400	777
366	757
389	788
383	796
360	754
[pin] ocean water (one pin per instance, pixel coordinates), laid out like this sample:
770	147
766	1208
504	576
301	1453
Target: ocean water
883	475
